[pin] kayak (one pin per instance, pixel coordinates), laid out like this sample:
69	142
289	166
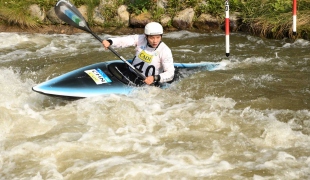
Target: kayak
105	78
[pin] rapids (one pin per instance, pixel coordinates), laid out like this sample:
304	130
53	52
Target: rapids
249	120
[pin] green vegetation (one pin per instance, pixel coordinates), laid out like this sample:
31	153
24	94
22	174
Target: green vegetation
15	12
273	19
268	18
109	12
139	6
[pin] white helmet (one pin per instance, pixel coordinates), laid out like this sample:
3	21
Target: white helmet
153	28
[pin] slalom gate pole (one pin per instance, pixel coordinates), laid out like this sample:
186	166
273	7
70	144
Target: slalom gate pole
227	31
294	17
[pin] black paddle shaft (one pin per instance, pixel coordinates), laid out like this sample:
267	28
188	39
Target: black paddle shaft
71	15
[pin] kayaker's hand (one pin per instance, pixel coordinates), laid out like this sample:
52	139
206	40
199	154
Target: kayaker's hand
106	44
149	80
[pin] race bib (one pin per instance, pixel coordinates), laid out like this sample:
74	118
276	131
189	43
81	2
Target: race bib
145	57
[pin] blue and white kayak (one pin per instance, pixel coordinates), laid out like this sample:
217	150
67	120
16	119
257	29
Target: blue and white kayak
102	78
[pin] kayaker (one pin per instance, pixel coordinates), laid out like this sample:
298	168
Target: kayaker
153	57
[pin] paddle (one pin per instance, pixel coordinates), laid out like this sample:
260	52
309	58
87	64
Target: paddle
71	15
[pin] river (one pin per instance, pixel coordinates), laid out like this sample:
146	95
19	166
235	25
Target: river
248	120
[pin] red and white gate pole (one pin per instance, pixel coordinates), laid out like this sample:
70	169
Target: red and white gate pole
227	27
294	17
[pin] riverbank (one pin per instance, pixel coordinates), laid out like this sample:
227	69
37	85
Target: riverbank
265	19
67	29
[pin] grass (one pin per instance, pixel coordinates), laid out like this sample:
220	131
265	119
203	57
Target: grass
280	25
16	14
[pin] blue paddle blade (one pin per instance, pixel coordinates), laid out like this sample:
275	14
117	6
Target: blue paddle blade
71	15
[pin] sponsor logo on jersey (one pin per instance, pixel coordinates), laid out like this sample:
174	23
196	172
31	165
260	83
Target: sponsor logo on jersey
145	57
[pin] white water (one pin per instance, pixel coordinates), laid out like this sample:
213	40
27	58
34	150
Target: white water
249	121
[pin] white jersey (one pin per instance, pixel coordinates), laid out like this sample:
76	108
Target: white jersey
150	61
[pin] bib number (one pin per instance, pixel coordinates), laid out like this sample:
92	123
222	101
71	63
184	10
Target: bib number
149	69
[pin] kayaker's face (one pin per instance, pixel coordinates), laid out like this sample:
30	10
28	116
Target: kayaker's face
154	40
